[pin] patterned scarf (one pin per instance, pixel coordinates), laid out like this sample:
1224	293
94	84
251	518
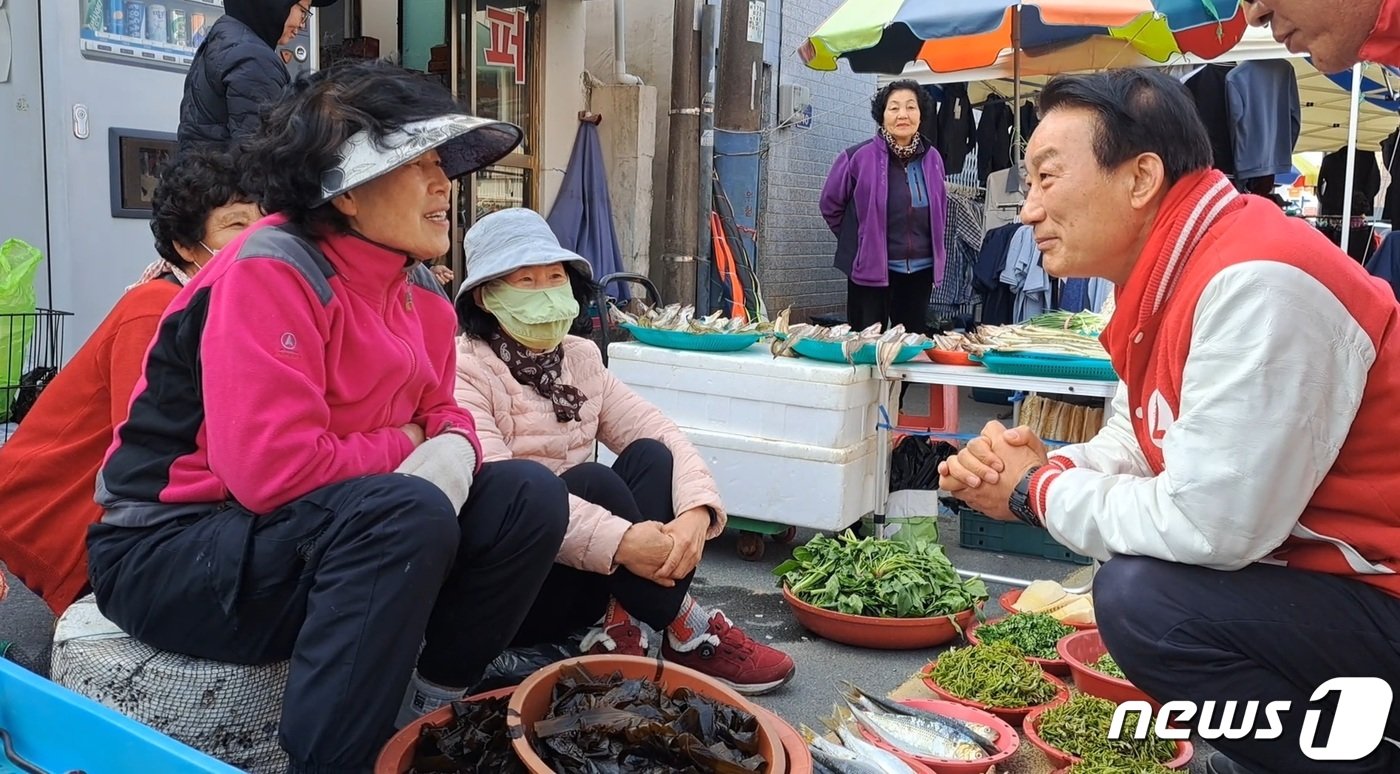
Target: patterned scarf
541	372
907	152
156	269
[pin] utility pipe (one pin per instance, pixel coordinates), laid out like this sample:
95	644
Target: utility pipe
620	73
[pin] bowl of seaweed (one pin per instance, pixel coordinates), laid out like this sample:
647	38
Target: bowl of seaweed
458	737
637	713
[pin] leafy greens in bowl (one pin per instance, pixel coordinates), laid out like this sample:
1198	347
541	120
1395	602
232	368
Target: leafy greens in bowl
878	578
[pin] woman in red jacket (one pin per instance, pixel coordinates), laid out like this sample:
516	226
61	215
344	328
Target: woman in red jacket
48	467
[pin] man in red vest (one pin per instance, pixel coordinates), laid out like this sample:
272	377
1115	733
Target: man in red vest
1336	33
1244	495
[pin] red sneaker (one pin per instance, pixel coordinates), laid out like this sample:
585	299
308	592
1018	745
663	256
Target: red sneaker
725	652
624	639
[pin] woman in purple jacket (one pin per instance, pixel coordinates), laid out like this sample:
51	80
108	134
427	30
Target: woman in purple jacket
885	202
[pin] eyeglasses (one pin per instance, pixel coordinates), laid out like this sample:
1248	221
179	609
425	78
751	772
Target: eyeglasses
305	10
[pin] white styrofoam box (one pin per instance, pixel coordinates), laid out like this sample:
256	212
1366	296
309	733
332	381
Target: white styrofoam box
753	394
785	483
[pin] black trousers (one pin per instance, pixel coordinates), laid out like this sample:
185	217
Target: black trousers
904	302
638	488
344	582
1264	633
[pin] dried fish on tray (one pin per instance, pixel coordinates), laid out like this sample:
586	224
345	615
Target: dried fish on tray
682	319
841	344
608	725
473	741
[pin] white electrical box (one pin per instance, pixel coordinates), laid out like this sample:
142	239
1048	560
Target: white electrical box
794	105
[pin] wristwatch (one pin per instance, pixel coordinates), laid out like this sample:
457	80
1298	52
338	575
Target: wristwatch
1020	503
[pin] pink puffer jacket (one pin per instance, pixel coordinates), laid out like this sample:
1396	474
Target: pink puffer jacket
515	422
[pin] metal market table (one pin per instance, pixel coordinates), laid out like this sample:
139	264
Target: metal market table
924	372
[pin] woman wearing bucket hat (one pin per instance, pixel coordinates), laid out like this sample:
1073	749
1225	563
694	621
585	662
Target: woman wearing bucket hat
636	529
256	502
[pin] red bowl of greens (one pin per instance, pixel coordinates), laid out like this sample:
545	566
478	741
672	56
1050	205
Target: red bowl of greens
484	714
994	678
885	594
1071	731
1036	634
1094	671
1008	603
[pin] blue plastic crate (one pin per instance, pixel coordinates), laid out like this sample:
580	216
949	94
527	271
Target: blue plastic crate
60	731
1048	365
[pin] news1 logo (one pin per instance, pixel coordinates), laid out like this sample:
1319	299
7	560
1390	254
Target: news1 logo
1358	724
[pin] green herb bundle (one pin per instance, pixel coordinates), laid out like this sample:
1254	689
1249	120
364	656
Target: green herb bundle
997	675
1036	634
878	578
1080	727
1108	666
1108	763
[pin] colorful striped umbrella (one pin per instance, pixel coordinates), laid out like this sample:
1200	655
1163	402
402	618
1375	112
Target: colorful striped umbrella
882	36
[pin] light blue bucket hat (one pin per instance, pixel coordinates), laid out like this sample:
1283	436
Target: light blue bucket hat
506	240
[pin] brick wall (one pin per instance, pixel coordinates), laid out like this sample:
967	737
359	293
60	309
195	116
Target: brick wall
795	245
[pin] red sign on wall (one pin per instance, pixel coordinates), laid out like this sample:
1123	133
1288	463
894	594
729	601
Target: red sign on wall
507	46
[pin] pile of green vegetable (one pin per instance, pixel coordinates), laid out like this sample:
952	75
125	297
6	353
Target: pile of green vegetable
1034	633
1108	666
1108	763
1080	727
878	578
997	675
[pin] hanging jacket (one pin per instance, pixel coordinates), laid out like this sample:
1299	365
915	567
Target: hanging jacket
235	72
1030	119
1265	113
1332	183
994	138
1210	91
1206	461
855	204
287	364
957	131
515	422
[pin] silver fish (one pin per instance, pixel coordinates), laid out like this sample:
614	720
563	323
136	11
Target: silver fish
902	732
888	763
834	756
955	729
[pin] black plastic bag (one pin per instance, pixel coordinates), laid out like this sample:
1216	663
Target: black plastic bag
515	664
914	463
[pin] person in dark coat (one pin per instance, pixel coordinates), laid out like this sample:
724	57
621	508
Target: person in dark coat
236	69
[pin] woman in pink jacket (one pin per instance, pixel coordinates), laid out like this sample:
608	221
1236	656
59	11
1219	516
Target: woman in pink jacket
637	529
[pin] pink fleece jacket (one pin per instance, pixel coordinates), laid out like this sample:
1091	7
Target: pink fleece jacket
307	372
515	422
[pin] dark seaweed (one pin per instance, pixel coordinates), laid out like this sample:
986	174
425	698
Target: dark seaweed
608	725
473	742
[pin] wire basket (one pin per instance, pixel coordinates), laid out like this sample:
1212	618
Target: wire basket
31	350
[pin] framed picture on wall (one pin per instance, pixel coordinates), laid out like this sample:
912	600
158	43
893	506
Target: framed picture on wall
136	157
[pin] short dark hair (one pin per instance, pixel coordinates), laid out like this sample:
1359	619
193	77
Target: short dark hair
194	183
479	323
1137	111
927	110
300	133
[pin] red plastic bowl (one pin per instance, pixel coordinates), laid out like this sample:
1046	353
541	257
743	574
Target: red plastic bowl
882	633
1008	741
950	357
799	756
1082	649
1059	757
1055	666
1012	715
1009	598
397	755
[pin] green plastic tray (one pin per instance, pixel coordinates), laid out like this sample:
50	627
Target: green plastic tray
1048	366
830	352
1010	537
697	342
